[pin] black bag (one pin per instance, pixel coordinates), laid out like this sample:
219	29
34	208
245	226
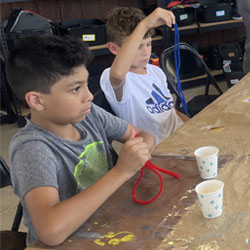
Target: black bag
214	12
23	23
184	15
230	51
212	57
234	72
89	30
231	54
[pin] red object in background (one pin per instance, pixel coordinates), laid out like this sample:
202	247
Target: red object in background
174	3
155	61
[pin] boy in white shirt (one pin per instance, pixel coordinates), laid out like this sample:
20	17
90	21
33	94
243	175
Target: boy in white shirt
136	90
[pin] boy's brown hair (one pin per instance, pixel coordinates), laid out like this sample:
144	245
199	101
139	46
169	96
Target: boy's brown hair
121	22
39	61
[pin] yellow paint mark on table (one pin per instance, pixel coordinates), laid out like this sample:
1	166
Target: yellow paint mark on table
217	129
115	241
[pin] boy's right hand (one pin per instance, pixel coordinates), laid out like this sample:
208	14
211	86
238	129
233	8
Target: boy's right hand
133	155
159	17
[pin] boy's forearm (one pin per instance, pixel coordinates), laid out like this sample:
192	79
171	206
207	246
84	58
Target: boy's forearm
55	223
126	55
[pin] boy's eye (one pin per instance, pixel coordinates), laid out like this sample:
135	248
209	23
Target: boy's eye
75	89
149	44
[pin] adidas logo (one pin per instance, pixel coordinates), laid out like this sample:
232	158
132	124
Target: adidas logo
159	103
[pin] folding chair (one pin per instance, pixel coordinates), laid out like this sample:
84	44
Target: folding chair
101	101
192	65
11	239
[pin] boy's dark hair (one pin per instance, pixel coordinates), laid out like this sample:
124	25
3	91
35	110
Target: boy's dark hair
37	62
121	22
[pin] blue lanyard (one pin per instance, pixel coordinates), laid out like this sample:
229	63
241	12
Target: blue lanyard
177	60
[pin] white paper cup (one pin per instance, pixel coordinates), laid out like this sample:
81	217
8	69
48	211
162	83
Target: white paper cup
210	195
207	161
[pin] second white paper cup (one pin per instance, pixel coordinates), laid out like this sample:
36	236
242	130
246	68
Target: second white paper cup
207	161
210	195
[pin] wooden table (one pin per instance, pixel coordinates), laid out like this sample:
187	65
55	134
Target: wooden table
174	220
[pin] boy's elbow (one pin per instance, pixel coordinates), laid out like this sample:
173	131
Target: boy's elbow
51	236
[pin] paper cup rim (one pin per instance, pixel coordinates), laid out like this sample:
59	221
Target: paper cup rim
205	147
205	182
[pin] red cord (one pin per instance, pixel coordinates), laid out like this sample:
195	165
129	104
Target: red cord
149	165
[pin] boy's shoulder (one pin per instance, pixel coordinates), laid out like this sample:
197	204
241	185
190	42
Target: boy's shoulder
29	140
156	71
151	70
153	67
30	132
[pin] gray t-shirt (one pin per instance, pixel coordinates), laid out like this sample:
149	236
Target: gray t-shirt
40	158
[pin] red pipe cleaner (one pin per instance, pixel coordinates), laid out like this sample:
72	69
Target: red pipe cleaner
149	165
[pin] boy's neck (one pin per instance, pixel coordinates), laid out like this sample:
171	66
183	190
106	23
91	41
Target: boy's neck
137	70
67	131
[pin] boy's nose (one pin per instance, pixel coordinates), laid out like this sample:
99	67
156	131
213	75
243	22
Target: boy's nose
88	96
145	51
91	97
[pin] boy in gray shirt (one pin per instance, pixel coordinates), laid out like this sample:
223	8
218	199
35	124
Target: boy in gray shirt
61	165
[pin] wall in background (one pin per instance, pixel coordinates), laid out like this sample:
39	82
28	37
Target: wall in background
64	10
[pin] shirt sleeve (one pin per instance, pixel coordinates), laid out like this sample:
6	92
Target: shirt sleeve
33	169
106	85
109	92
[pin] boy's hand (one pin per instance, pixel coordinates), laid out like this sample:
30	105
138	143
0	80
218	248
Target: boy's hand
159	17
133	155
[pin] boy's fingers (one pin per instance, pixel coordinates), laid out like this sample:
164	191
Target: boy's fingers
145	152
172	15
168	20
134	140
171	19
132	134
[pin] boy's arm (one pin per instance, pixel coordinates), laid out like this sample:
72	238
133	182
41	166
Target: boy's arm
127	52
55	220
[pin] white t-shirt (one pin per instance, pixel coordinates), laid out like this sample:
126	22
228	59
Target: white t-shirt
146	102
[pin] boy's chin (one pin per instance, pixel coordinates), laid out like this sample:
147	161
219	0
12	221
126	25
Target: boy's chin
80	119
144	64
141	65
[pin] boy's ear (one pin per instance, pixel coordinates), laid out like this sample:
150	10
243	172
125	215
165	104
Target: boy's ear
113	48
34	100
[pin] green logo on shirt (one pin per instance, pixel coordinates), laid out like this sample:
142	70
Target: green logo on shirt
92	165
